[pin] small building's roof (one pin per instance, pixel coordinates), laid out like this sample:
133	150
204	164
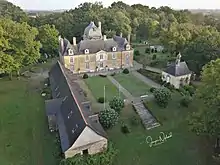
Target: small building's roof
53	106
73	116
178	69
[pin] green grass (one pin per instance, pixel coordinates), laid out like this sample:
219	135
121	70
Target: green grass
96	85
24	135
181	148
135	86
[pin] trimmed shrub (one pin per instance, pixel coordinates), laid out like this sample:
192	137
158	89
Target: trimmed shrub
152	89
117	104
154	63
154	57
125	129
147	50
152	50
155	50
136	53
162	96
135	121
126	71
108	118
85	76
113	74
103	75
101	100
185	101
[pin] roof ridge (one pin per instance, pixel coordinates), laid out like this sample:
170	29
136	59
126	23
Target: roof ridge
73	94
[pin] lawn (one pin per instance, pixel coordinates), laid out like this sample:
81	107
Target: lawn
181	148
24	135
135	86
96	85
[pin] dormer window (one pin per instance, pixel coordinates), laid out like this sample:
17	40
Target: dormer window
128	47
70	51
86	51
114	49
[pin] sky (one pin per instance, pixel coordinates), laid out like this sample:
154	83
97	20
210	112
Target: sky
68	4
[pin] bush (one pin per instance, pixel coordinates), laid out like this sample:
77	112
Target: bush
169	86
185	101
126	71
108	118
162	96
154	63
155	50
101	100
190	89
152	89
154	57
117	104
85	76
152	50
125	129
113	74
147	50
183	91
136	53
135	121
103	75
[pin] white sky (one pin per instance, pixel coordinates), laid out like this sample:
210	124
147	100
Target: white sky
68	4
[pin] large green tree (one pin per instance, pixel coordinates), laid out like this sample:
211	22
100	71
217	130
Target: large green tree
18	45
48	36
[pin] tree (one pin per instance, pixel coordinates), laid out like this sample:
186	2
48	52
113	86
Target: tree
108	118
48	36
117	104
162	96
205	121
18	45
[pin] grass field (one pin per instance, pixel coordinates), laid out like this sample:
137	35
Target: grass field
96	85
24	135
181	148
135	86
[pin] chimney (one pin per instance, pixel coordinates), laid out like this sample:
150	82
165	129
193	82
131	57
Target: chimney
104	37
129	38
178	59
61	44
74	41
100	25
120	34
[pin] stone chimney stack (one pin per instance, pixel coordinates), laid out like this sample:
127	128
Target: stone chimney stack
120	34
100	25
129	38
74	41
61	43
178	59
104	37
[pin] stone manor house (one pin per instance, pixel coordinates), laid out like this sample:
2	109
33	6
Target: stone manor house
96	52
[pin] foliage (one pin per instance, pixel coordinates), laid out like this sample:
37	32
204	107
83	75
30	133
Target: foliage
137	53
135	121
48	36
205	120
154	57
162	96
169	86
102	75
185	101
108	118
190	89
18	45
85	76
147	50
101	100
113	74
106	158
152	89
154	76
125	129
117	104
126	71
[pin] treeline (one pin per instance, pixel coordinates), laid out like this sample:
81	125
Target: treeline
21	44
195	35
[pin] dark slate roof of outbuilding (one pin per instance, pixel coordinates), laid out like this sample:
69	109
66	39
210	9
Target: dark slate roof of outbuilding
53	106
73	117
178	70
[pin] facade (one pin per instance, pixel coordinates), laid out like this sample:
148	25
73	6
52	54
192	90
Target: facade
70	114
95	52
177	74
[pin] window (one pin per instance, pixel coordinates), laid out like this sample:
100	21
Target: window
71	60
101	57
70	52
87	65
87	58
56	88
113	56
101	64
85	152
127	59
72	67
70	114
114	63
86	51
58	94
77	126
114	49
64	98
73	130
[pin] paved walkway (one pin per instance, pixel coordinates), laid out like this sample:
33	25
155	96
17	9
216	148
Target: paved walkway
146	80
148	120
140	66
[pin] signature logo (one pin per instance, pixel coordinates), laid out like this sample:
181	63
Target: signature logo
162	139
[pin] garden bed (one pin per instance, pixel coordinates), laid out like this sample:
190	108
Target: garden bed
152	75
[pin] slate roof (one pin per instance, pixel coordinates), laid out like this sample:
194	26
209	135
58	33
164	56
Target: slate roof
178	70
73	116
53	106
